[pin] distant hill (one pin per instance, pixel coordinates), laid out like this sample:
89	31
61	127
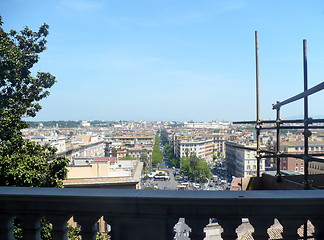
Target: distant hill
60	124
68	124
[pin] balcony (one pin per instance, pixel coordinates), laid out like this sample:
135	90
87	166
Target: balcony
147	215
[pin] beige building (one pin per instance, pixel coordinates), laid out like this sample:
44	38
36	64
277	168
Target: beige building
201	147
105	174
219	140
93	170
242	162
96	149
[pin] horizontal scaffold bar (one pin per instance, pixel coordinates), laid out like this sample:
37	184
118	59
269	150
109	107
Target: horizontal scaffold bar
306	93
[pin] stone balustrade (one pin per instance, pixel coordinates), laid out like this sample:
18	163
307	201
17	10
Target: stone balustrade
152	214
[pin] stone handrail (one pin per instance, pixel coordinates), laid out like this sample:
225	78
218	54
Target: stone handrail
152	214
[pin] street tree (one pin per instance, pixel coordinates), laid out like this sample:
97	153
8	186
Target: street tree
157	153
25	163
195	168
146	160
169	152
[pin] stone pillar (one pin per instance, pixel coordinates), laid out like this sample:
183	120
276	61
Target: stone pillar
32	227
261	225
60	228
6	226
290	226
169	228
113	233
197	226
88	226
137	227
319	228
229	226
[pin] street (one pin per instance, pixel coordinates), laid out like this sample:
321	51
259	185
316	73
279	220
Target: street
176	181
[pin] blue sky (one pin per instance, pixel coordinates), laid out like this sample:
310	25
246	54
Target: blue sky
173	59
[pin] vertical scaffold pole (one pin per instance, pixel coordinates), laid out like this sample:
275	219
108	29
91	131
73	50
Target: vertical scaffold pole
258	120
307	132
278	174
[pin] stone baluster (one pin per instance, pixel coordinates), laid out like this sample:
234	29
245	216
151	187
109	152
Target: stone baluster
319	228
137	227
229	226
88	226
197	226
32	227
261	225
169	227
6	227
114	227
290	226
60	228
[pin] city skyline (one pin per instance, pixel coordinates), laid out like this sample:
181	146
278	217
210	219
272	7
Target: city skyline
167	60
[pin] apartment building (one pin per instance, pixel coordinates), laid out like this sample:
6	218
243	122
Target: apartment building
129	143
137	151
96	149
134	137
219	143
56	141
212	125
242	162
296	164
201	147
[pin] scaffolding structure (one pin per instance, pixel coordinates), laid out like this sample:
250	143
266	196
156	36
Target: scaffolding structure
306	124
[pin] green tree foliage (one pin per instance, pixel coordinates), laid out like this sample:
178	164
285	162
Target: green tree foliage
169	152
217	156
146	160
102	236
164	137
74	233
127	158
24	163
157	153
30	165
195	168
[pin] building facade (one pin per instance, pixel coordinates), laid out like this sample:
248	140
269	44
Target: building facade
242	162
296	164
201	147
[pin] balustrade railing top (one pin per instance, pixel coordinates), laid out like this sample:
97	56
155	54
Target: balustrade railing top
142	213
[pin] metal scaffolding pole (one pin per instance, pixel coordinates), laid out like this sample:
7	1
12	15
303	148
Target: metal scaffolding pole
258	120
311	121
307	133
308	92
278	174
306	124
